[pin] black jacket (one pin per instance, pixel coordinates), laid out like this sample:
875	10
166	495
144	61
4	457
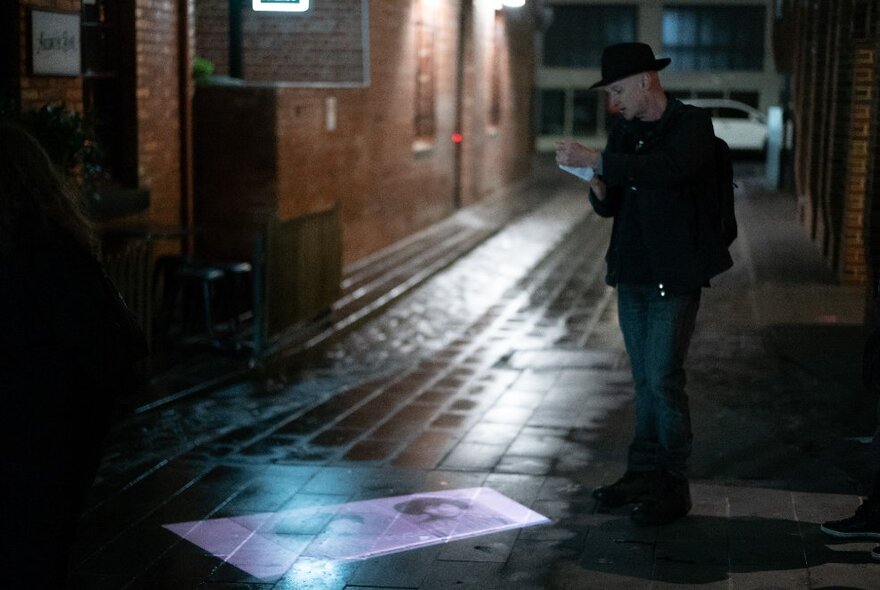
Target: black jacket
63	311
672	175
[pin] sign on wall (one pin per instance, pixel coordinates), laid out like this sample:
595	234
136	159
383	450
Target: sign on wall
281	5
55	43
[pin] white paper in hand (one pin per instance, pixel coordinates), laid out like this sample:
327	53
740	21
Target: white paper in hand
585	172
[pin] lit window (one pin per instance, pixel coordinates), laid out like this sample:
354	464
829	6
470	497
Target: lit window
577	34
584	117
552	112
495	64
425	118
712	38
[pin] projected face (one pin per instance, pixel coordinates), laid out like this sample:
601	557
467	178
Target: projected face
268	545
433	508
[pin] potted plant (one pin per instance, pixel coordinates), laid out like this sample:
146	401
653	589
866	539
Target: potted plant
69	137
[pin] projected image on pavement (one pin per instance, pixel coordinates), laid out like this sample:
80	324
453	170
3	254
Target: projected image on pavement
266	545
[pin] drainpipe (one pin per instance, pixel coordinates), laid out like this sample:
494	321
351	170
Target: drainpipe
235	39
184	97
464	26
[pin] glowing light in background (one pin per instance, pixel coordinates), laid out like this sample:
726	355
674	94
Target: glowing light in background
457	138
268	545
281	5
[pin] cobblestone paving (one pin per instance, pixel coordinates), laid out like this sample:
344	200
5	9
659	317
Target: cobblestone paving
421	325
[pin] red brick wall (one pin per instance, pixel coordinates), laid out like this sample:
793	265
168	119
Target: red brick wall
156	90
323	45
36	91
410	184
158	106
835	85
853	268
872	201
385	182
212	33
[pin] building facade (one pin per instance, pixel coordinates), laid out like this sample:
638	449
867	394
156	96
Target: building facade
829	52
719	49
369	118
398	76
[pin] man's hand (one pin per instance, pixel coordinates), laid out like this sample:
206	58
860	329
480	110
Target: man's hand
571	153
598	188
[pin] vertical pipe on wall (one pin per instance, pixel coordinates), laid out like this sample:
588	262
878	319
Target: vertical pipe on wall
185	96
464	28
235	39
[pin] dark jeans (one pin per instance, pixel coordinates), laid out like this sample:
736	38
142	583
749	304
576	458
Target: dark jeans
657	326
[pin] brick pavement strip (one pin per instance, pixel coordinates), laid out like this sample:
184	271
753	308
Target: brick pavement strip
504	370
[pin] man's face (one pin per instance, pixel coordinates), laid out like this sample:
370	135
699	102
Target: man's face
628	97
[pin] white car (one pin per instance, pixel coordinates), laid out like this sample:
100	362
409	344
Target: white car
744	128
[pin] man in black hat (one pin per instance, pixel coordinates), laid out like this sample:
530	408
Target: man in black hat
655	179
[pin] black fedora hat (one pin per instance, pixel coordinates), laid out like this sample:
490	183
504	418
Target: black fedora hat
622	60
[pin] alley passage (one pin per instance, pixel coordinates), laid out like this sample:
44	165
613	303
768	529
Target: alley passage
507	371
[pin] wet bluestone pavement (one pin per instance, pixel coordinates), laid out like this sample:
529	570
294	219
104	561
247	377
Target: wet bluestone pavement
506	370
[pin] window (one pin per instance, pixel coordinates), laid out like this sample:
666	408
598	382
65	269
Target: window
425	119
585	119
710	38
577	34
748	97
107	95
495	64
552	112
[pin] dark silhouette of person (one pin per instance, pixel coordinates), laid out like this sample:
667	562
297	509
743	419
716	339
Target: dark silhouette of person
655	180
67	350
865	522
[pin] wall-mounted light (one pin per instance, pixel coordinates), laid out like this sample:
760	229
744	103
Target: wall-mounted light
281	5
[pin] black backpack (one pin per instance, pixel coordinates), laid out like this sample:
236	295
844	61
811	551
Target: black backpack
724	186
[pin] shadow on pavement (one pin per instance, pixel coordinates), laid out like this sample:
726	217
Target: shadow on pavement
702	550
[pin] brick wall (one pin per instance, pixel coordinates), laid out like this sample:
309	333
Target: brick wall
10	60
395	185
324	45
409	185
36	91
872	201
853	266
212	33
151	81
834	76
385	182
158	106
839	90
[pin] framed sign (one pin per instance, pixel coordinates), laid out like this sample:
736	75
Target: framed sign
281	5
55	43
